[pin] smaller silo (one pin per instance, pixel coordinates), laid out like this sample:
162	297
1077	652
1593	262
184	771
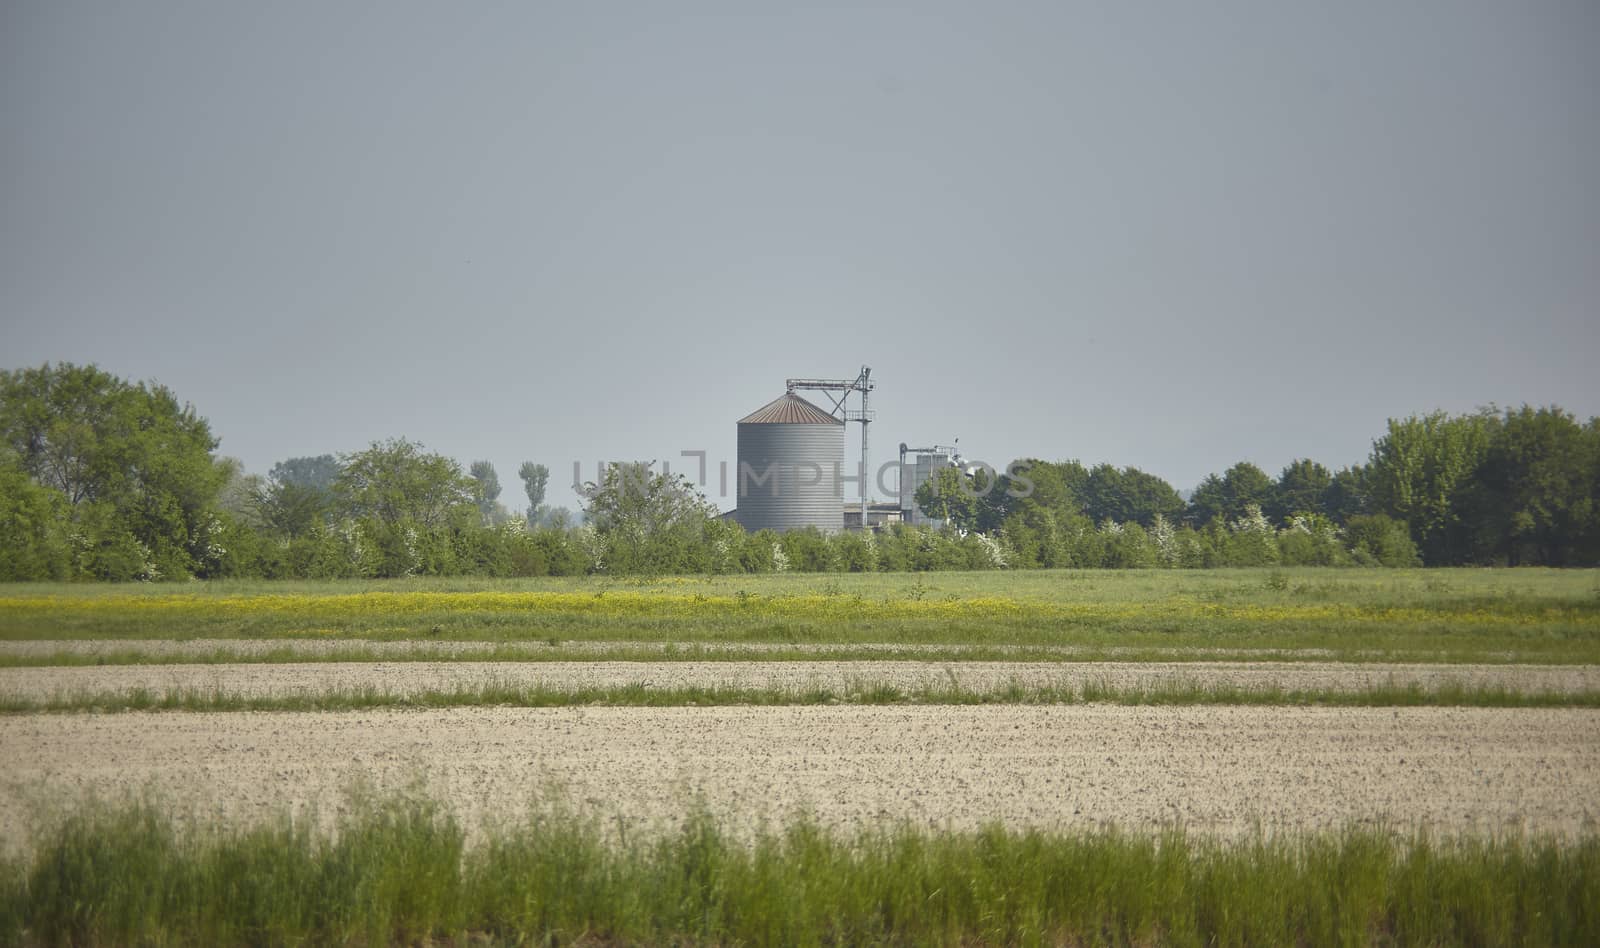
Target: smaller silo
917	467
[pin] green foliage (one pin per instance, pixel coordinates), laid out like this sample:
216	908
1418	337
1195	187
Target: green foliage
1037	535
289	508
1052	486
343	550
1229	497
487	488
129	458
1302	488
652	522
952	496
397	483
1418	472
854	552
316	473
1380	540
1346	495
398	870
1128	495
1311	540
535	477
807	551
758	552
1533	499
33	528
1251	541
905	548
1126	546
237	549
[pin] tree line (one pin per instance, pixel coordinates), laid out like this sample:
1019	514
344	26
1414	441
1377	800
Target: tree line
1508	488
106	479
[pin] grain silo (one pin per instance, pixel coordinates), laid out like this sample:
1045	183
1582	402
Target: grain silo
791	454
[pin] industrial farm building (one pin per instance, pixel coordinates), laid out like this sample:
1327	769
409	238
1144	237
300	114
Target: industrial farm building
791	472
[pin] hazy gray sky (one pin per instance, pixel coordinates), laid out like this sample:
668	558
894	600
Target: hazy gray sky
1171	235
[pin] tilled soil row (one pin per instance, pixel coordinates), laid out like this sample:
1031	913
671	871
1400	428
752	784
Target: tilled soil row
1214	770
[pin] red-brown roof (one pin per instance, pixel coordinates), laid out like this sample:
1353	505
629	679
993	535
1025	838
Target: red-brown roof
789	409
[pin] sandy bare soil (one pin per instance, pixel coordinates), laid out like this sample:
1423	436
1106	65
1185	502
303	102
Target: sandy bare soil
1216	769
411	677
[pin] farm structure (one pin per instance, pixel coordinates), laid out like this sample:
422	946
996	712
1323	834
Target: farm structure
791	456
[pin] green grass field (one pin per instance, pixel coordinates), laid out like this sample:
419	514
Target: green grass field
1373	615
399	871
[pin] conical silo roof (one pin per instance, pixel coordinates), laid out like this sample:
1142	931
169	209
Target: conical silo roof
789	409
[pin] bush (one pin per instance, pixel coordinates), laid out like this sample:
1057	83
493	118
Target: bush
1311	540
33	529
1378	540
757	552
236	550
1127	546
807	551
854	552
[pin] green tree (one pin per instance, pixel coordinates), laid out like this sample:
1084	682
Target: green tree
240	497
1302	488
397	481
34	521
1039	527
1418	472
488	488
1128	495
134	464
297	493
1229	497
1053	486
1533	498
955	497
535	477
1346	495
318	472
649	521
289	509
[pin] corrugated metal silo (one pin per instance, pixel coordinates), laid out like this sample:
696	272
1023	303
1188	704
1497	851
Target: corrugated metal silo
791	454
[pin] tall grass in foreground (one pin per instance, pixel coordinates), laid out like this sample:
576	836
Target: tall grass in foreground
399	871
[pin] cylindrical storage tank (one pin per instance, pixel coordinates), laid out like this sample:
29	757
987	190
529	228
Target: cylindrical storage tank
791	456
927	465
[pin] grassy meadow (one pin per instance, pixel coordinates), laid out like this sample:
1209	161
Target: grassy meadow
1464	615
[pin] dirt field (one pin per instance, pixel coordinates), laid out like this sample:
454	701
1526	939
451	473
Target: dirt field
412	677
1215	769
